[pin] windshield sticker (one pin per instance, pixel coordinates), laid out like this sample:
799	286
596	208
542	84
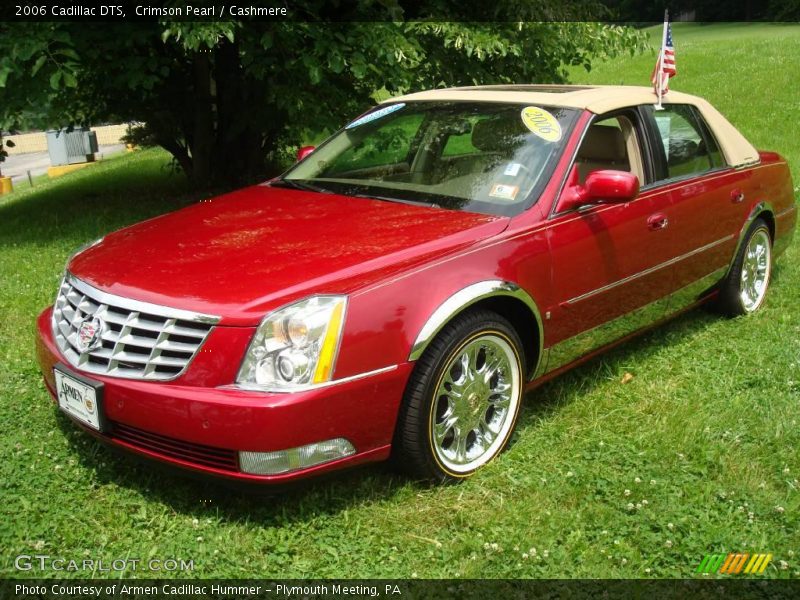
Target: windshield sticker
377	114
512	169
503	191
542	123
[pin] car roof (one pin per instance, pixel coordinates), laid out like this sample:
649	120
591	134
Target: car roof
598	99
595	98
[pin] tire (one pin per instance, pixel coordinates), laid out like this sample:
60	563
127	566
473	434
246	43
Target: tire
745	287
459	410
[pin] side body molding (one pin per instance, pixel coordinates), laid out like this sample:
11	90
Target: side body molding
465	298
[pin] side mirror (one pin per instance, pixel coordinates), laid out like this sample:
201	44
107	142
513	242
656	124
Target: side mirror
601	187
304	151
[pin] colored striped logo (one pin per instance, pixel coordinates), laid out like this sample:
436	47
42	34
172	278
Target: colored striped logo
734	563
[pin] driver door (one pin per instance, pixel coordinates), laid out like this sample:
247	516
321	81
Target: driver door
610	262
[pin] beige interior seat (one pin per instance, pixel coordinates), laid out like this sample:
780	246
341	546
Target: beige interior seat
603	147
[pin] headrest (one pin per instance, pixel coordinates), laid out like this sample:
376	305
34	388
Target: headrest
499	134
603	143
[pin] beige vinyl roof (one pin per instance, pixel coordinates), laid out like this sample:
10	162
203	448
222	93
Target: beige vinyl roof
598	99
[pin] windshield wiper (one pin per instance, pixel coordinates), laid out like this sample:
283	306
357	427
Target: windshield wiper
400	200
301	185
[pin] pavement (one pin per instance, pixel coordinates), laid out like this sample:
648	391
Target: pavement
17	166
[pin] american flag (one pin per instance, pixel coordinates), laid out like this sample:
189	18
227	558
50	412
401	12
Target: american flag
665	65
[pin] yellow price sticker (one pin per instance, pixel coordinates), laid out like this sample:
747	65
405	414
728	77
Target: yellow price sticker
542	123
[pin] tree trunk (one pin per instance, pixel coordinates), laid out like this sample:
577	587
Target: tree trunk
239	132
202	141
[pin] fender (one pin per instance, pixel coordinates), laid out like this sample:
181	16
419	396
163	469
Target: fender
465	298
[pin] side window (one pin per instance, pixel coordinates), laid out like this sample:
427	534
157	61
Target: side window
611	143
688	147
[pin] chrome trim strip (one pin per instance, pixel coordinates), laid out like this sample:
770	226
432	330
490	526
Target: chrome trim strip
465	298
253	387
571	349
783	213
653	269
138	305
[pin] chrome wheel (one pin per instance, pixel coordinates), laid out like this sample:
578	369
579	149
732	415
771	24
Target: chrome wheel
476	403
756	265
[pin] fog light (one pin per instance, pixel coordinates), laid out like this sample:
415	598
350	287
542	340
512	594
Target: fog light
283	461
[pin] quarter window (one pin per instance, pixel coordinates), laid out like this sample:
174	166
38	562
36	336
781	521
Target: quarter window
689	148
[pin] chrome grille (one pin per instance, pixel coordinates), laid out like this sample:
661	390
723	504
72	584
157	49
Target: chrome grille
138	340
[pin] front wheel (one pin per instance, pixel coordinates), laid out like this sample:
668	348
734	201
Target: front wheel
744	289
462	400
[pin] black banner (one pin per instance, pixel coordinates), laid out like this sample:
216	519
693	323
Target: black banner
631	11
137	589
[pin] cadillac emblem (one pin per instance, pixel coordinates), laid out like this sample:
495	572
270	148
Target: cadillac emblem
90	334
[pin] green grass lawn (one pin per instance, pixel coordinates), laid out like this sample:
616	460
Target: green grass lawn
696	453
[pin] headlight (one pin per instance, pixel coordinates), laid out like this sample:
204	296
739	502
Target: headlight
296	345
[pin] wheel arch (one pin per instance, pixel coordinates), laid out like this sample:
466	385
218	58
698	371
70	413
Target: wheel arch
503	297
762	210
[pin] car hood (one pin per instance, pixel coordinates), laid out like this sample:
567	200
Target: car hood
242	254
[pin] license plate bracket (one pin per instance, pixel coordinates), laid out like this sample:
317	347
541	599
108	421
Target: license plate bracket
80	398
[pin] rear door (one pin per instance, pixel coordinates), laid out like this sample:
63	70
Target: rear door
610	262
708	197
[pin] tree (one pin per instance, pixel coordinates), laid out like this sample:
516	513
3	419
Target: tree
230	99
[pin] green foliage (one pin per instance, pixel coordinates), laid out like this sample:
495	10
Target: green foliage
250	89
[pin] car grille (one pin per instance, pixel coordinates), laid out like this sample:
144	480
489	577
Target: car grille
136	340
209	456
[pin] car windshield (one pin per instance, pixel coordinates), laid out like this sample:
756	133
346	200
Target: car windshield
487	157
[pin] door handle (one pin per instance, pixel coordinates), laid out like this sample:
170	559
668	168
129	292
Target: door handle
737	196
657	222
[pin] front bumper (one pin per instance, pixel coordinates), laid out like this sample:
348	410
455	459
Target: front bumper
202	427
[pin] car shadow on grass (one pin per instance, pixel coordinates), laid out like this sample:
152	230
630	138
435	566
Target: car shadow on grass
200	497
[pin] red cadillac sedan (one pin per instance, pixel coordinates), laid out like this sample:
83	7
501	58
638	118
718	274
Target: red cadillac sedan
397	290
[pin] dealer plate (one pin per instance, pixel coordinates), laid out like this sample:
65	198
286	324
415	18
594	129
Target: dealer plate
80	398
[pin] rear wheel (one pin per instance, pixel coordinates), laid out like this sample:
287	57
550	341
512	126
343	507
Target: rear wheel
745	287
462	400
